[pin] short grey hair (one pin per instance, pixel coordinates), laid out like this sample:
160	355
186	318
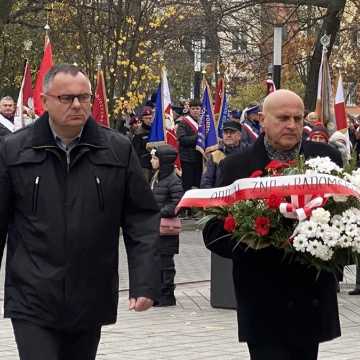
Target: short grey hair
7	98
60	68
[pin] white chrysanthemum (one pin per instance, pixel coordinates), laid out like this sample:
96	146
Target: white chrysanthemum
300	243
351	215
354	177
322	230
351	230
331	237
319	250
320	215
323	165
308	228
345	241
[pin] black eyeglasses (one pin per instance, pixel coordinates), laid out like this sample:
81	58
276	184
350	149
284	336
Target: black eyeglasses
69	99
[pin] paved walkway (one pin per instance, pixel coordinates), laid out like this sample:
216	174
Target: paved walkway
192	330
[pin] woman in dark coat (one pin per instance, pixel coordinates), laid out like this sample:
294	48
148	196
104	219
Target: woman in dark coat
167	189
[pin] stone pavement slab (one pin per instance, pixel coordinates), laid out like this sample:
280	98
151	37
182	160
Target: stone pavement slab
192	330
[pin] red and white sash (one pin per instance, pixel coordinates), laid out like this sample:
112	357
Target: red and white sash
191	122
7	123
250	131
262	187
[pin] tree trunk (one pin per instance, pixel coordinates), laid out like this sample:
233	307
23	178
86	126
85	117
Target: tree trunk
330	26
5	9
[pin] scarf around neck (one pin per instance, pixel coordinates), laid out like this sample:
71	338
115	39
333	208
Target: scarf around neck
282	155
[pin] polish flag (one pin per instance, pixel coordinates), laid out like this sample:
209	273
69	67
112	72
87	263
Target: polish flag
45	66
170	132
340	112
100	107
25	99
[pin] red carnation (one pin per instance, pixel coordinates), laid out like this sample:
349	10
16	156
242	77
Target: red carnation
276	165
229	223
256	173
262	225
273	202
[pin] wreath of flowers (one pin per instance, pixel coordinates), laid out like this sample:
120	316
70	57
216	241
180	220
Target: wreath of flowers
328	238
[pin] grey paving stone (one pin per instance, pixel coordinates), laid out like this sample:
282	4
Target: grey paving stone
192	330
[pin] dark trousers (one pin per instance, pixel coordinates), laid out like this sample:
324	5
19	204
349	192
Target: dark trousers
357	284
191	174
260	351
167	276
38	343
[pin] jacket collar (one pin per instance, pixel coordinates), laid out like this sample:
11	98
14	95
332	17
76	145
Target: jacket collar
42	135
262	158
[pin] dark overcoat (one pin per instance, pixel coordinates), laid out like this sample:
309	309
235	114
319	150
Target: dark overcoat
63	217
277	301
4	131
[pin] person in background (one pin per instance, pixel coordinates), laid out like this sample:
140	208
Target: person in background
310	120
319	133
339	141
191	159
140	140
167	189
7	114
134	125
235	115
231	144
251	128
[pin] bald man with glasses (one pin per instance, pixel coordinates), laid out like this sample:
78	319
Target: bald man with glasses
67	185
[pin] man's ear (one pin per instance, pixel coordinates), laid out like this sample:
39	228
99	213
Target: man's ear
44	101
261	118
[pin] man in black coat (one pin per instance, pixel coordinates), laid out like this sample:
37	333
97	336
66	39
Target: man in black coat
66	187
7	112
140	141
232	144
191	159
284	310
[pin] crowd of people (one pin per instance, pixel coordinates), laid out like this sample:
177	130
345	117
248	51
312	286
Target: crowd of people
67	185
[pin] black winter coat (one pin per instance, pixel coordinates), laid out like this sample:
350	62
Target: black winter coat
63	226
4	131
211	175
187	143
140	141
168	191
276	301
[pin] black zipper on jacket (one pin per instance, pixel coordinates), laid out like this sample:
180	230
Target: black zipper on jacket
35	194
100	192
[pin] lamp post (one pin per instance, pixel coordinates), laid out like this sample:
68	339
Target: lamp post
277	56
197	48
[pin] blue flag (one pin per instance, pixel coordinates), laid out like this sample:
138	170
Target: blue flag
157	132
207	138
224	114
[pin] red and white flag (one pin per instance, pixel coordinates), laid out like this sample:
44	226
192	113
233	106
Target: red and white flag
25	99
170	132
340	112
45	66
100	107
